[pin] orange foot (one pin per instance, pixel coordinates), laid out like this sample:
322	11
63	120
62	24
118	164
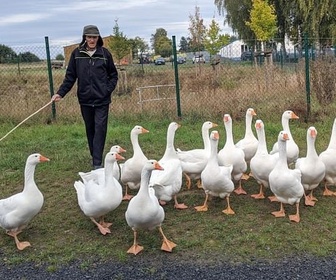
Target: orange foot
240	190
309	202
162	202
167	245
180	206
258	196
228	211
311	197
105	224
328	192
202	208
294	218
127	197
273	198
22	245
278	214
103	230
135	249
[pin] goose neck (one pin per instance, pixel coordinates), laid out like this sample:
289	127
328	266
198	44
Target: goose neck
145	176
29	182
262	146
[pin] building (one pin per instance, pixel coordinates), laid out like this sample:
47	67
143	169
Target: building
234	50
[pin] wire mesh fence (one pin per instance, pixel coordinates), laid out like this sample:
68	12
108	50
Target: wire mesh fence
207	88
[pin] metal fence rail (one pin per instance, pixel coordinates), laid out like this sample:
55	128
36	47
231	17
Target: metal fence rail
206	89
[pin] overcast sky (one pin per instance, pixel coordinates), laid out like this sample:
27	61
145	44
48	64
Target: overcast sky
28	22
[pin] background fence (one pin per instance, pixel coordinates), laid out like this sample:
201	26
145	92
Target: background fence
206	90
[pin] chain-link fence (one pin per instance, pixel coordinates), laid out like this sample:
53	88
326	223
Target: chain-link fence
270	82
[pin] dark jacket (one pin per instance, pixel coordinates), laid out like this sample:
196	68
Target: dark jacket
96	76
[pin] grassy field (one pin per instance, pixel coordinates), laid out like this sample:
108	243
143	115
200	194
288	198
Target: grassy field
61	233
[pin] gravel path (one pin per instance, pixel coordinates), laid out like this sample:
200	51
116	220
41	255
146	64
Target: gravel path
168	268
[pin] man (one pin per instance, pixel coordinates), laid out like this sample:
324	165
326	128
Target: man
92	66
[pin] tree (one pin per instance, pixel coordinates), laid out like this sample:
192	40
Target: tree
237	12
28	57
7	55
197	31
317	18
164	47
262	21
119	44
161	44
184	44
138	45
60	57
215	41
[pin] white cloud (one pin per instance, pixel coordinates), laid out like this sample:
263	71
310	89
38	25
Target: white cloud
96	6
21	18
63	20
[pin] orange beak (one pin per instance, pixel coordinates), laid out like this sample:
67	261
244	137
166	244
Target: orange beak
294	116
119	157
157	166
43	159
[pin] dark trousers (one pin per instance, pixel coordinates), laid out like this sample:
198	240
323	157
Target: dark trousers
95	119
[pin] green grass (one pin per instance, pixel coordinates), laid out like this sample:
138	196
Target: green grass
61	233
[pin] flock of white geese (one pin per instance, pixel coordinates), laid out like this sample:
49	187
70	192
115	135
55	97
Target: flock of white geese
219	172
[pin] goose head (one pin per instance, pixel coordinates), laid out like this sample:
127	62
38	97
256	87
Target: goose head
153	164
312	132
259	125
287	115
283	136
112	157
118	149
138	129
250	112
214	135
36	158
208	124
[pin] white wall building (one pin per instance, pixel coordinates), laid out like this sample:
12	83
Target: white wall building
233	50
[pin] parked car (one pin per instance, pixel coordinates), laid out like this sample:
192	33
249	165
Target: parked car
198	59
181	60
57	64
246	56
160	61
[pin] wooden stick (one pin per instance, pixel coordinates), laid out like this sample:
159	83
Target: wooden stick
26	120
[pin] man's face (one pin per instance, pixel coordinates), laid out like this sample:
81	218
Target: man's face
91	41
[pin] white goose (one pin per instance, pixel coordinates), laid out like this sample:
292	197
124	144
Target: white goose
249	143
312	168
97	200
98	175
131	169
292	148
329	159
193	161
232	155
262	163
17	210
144	210
285	183
216	180
168	183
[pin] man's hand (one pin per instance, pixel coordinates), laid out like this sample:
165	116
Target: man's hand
56	97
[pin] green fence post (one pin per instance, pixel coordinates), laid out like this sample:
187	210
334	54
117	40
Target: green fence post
51	83
307	75
177	82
